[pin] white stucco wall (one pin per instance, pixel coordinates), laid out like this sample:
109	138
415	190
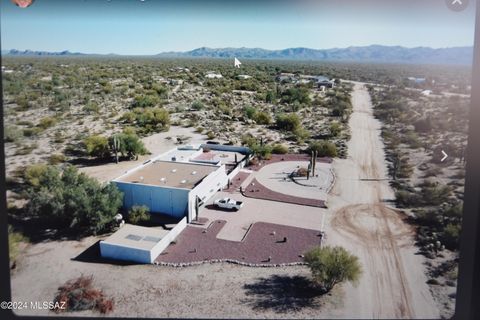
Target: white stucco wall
118	252
163	244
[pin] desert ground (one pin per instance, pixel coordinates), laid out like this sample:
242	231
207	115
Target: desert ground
359	218
362	221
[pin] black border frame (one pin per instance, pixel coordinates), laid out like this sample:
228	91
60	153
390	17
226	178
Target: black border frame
467	305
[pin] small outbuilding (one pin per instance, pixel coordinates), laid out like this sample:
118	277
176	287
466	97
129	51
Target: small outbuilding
138	244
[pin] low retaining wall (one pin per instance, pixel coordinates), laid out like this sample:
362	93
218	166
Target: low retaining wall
167	239
257	265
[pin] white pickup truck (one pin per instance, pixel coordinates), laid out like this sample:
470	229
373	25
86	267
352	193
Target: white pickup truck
227	203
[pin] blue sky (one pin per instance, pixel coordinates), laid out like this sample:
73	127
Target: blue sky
154	26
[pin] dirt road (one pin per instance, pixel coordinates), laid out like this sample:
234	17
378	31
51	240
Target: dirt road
393	284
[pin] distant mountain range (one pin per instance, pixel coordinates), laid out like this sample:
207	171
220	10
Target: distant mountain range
373	53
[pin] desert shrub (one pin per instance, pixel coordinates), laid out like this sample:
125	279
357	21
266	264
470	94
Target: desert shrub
14	240
332	265
128	117
72	200
197	105
335	129
211	135
301	134
262	118
434	194
12	133
79	294
31	132
145	101
47	122
405	198
152	119
428	217
270	97
261	151
249	140
26	149
279	149
296	95
129	143
138	214
249	111
288	122
97	146
33	173
91	107
450	236
56	158
199	129
324	148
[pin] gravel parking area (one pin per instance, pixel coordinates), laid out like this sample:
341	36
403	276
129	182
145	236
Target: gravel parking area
237	181
264	243
258	191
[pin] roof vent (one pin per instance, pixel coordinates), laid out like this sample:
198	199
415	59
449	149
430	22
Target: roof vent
163	180
141	178
183	181
194	173
174	170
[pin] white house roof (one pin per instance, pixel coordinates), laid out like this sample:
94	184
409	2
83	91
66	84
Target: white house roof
137	237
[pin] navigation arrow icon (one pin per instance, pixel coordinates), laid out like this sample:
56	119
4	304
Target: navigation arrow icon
445	156
237	63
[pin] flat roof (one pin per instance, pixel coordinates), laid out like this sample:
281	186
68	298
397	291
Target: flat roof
137	237
169	174
224	157
180	154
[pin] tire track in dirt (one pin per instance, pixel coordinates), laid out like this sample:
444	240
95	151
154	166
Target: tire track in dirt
375	231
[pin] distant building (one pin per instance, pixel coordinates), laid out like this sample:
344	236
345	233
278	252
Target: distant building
213	75
426	92
417	80
324	82
243	76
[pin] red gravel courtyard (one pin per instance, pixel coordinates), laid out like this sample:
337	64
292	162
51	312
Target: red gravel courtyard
258	191
264	244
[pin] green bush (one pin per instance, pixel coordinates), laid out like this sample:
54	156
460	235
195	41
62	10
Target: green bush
332	265
249	112
279	149
14	240
450	236
47	122
288	122
145	101
335	129
56	158
91	107
33	174
198	105
32	132
73	201
97	146
129	145
324	149
262	118
12	133
138	215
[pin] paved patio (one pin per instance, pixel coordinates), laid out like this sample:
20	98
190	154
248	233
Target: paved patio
264	243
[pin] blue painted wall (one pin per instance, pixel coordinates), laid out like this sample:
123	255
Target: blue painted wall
169	201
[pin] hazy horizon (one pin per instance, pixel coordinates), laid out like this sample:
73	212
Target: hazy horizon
133	27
